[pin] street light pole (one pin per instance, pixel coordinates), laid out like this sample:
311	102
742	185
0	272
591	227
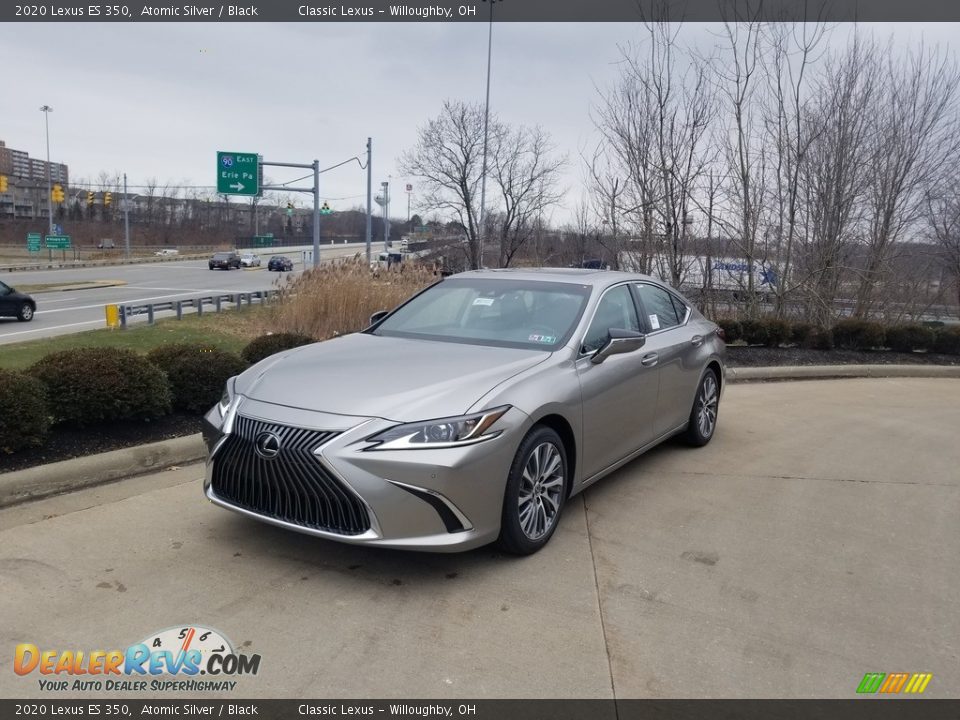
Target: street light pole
126	218
486	134
46	110
369	236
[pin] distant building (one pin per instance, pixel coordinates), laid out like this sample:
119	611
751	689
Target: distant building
18	164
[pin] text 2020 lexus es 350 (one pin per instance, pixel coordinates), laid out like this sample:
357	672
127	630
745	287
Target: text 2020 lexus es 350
469	414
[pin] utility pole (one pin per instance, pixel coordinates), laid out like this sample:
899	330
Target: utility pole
369	190
316	213
126	217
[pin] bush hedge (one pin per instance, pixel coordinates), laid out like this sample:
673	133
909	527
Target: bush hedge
731	329
25	420
947	340
907	338
856	334
778	332
800	333
267	345
93	385
755	332
196	373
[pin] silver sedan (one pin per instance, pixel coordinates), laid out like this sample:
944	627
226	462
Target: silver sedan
468	415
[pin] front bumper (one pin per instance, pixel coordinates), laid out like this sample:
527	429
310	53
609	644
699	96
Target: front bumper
444	500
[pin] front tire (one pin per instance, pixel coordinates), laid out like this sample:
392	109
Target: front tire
26	313
535	494
706	407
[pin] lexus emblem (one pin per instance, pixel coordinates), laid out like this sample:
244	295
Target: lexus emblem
267	445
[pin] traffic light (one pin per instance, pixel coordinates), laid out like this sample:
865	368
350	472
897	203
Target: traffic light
3	183
325	210
56	194
107	199
289	209
89	198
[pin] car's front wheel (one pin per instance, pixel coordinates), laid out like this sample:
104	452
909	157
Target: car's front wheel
26	313
535	494
703	415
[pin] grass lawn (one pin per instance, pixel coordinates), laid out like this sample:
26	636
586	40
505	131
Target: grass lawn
230	330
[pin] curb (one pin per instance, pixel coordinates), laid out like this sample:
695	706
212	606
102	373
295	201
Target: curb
82	286
69	475
826	372
99	263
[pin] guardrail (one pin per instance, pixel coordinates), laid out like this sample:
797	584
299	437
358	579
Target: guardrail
216	303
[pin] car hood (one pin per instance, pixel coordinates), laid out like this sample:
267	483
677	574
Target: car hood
391	378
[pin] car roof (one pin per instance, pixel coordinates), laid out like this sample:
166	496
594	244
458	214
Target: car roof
580	276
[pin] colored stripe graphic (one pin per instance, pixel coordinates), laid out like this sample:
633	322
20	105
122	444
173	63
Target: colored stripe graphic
893	683
871	682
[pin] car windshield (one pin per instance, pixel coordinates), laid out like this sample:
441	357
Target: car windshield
222	256
506	313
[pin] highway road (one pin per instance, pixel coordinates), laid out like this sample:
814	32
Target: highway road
65	312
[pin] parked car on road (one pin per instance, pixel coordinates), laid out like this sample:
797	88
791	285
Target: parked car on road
250	260
16	304
281	263
224	261
519	389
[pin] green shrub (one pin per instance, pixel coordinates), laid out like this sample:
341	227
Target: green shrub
778	332
731	329
947	340
267	345
819	339
93	385
907	338
856	334
196	373
755	332
800	333
25	419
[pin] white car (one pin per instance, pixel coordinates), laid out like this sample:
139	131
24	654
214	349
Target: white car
250	260
167	251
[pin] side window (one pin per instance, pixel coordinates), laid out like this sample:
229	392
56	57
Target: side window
657	303
616	310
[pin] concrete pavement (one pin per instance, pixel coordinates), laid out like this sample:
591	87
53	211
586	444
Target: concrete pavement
812	541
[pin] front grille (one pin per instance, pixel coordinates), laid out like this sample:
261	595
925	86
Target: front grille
294	486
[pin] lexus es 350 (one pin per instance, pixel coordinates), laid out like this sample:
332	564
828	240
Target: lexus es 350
469	414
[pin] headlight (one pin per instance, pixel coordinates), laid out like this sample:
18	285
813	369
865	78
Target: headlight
227	398
441	433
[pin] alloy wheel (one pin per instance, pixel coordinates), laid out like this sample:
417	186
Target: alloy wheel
707	406
541	488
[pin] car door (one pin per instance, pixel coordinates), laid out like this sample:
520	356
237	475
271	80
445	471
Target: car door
676	345
619	394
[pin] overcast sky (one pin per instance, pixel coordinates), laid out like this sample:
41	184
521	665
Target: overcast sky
158	100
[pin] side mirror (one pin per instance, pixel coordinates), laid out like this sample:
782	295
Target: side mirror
378	316
619	341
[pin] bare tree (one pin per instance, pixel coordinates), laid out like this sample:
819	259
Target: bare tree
448	161
526	173
943	218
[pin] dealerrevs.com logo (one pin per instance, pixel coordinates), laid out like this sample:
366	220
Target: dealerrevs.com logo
191	658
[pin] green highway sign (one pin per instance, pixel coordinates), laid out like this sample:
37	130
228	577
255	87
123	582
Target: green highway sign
238	173
263	240
33	242
58	242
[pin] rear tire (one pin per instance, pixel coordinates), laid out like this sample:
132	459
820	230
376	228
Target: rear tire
535	494
26	313
706	408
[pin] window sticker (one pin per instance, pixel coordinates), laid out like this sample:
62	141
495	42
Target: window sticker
654	321
547	339
483	301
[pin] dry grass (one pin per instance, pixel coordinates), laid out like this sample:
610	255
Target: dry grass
338	299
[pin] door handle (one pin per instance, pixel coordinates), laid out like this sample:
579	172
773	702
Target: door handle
696	340
650	359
